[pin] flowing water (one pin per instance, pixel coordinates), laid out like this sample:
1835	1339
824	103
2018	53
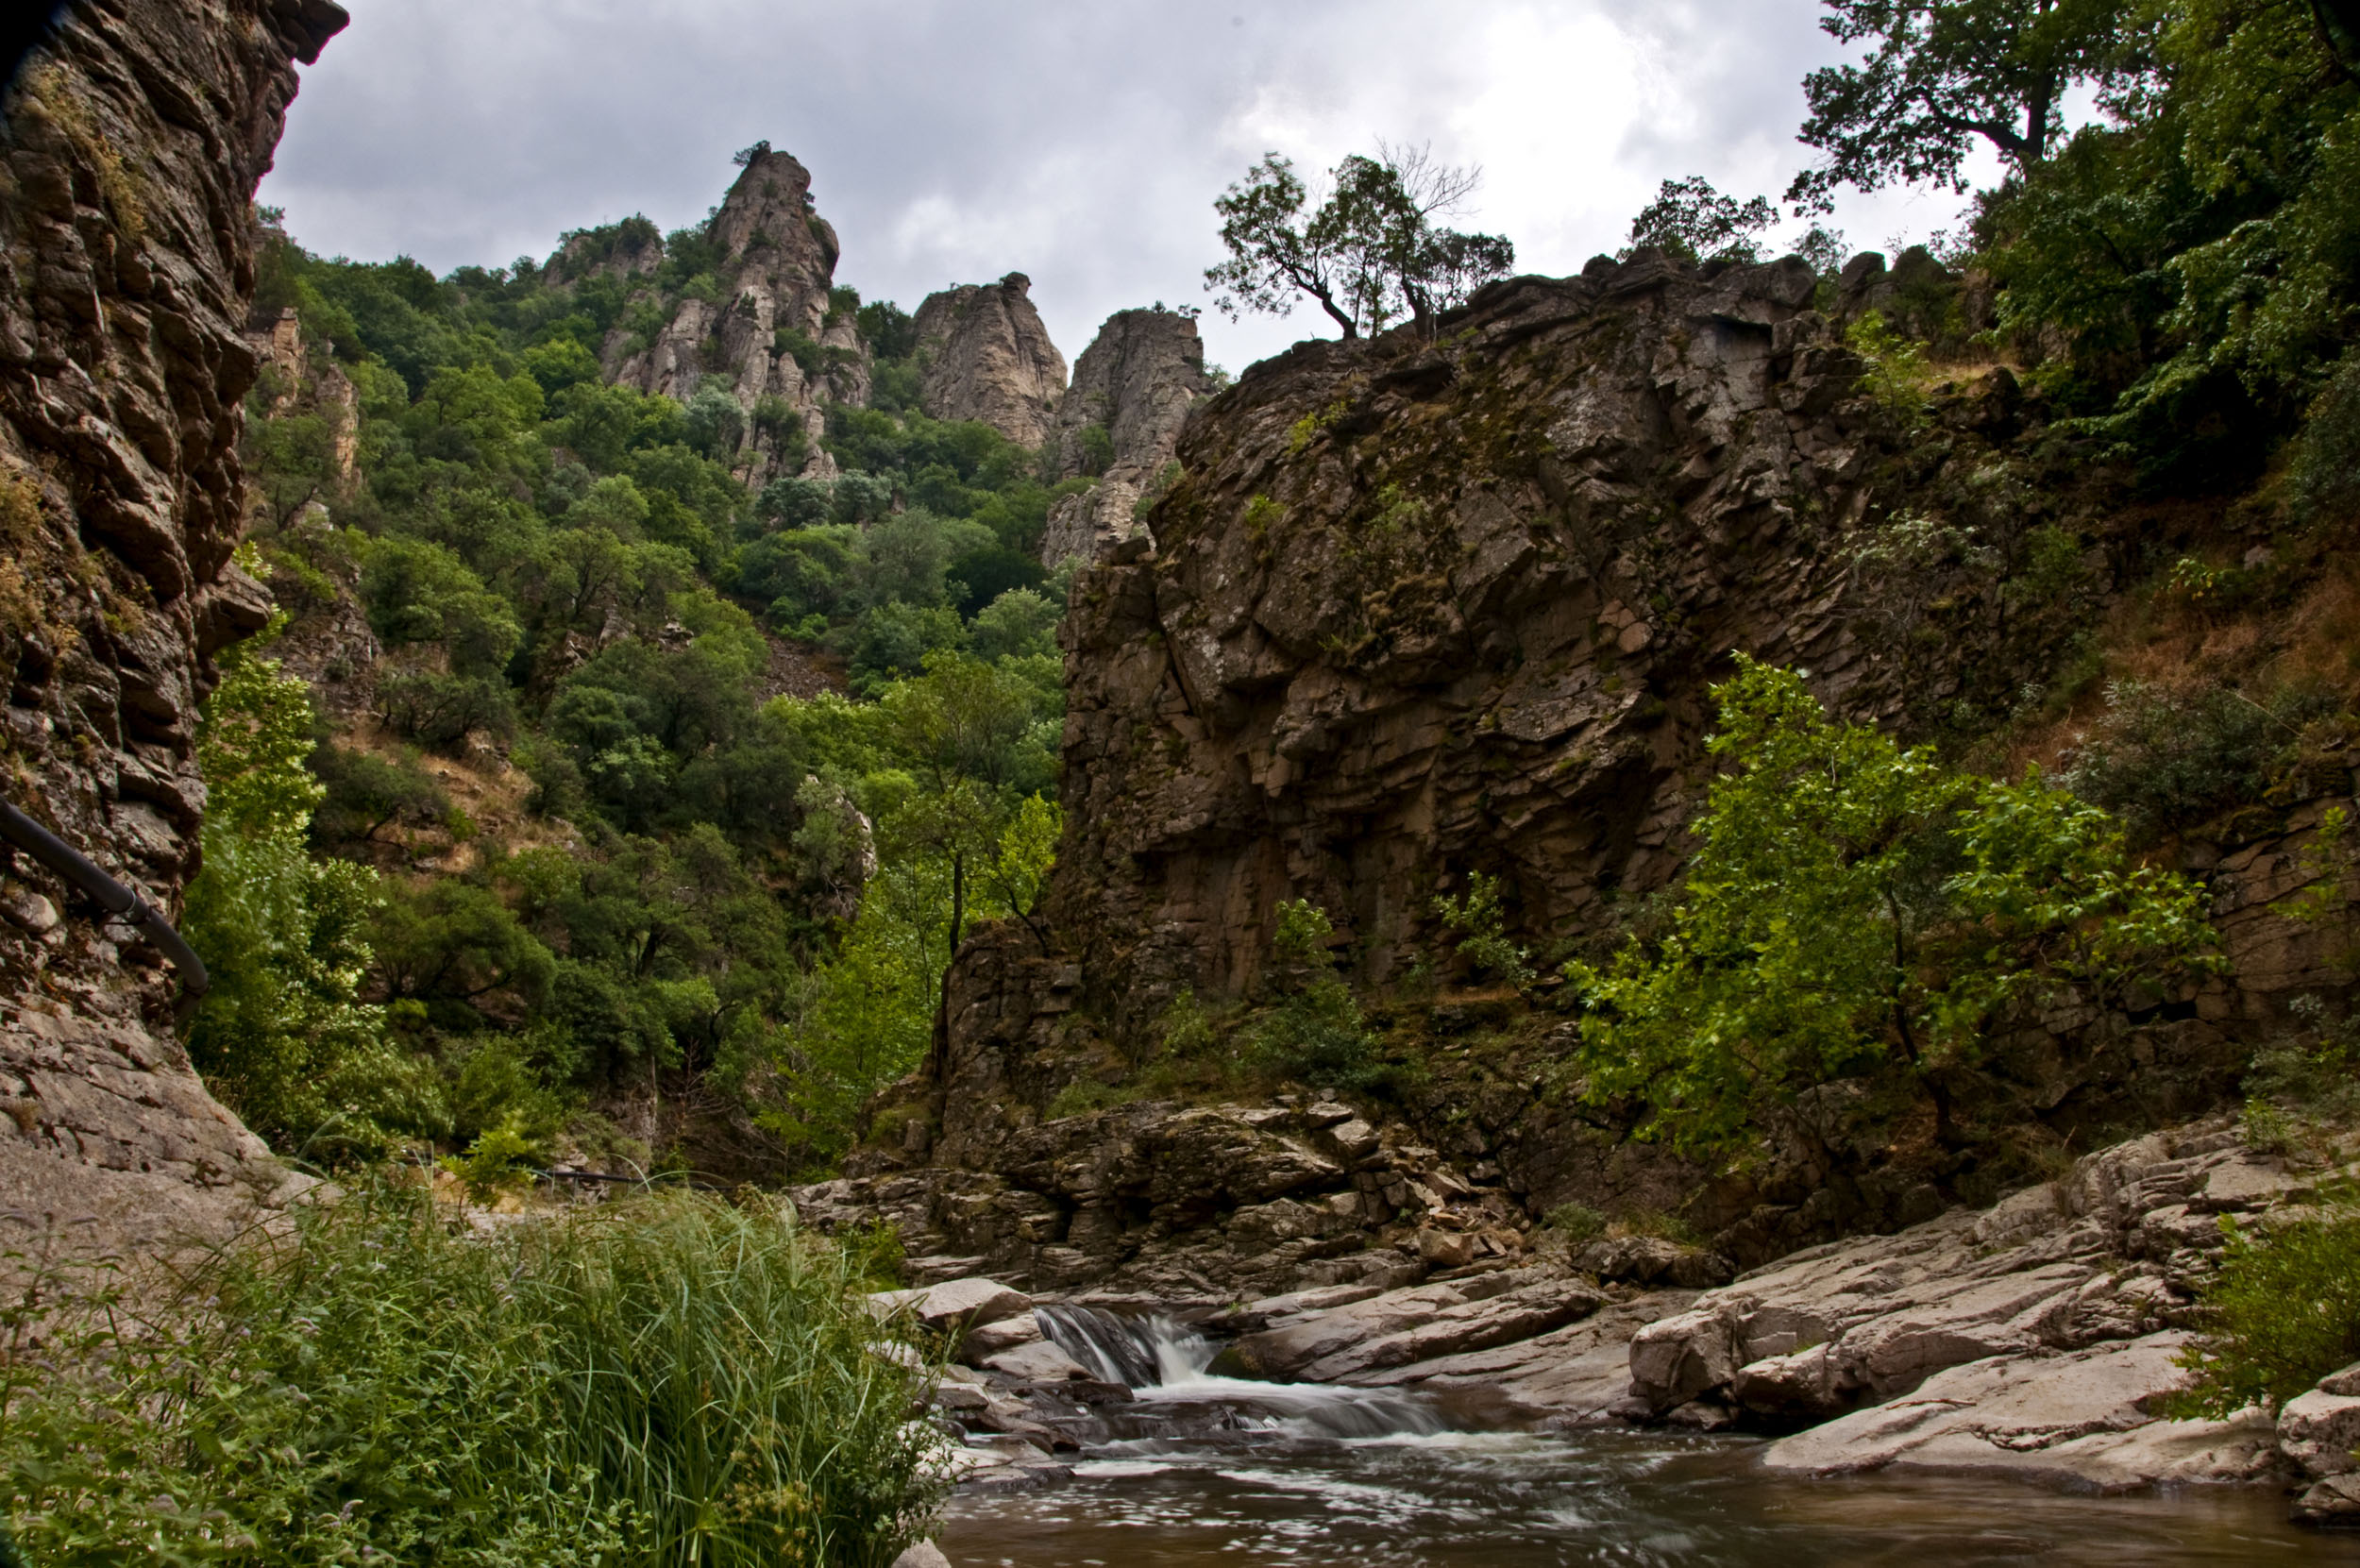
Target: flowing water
1206	1470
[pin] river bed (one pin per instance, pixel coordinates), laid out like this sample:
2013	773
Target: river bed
1210	1471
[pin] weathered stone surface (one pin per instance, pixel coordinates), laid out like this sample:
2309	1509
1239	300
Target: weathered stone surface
987	357
2320	1429
988	1340
779	260
1135	383
2082	1418
1652	1260
1038	1362
2099	1255
924	1555
955	1306
1340	1342
2334	1501
135	141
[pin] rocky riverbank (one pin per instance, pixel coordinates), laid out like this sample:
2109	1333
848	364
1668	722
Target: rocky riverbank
2036	1339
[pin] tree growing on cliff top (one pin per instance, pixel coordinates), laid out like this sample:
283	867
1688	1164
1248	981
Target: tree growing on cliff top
1850	903
1941	75
1366	246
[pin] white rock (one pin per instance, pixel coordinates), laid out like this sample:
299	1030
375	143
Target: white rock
924	1555
2078	1419
1038	1362
2319	1430
957	1304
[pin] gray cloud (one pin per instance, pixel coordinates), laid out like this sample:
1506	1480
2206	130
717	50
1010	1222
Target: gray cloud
1079	140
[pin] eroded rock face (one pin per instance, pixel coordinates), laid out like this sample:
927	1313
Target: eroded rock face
1416	611
988	358
136	139
778	263
1133	387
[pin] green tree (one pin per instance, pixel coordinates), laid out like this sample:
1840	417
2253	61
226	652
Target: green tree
283	1036
1365	247
1942	74
1853	906
1696	222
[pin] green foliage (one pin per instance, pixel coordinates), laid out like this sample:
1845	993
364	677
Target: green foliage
664	1380
2324	481
1481	925
1937	76
1897	371
499	1160
1694	222
2283	1312
1854	910
365	793
1368	252
2170	758
1577	1223
283	1036
1315	1034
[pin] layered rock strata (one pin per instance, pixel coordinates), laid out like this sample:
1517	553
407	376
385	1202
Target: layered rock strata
772	333
1120	423
135	140
987	357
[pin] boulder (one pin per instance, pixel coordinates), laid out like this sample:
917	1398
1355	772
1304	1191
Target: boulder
1652	1260
992	1338
2320	1429
2334	1501
955	1306
1038	1362
2081	1418
924	1555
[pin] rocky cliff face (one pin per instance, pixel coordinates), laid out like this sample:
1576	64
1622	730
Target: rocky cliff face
988	358
771	303
135	141
1416	609
1120	420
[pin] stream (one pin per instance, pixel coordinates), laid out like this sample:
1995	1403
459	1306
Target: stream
1205	1470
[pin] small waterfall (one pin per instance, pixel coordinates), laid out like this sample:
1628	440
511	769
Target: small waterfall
1160	1356
1139	1353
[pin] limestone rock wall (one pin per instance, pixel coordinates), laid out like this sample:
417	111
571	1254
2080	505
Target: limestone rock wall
134	144
1135	382
778	263
987	357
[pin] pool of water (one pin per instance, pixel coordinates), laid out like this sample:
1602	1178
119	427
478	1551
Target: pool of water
1508	1499
1207	1470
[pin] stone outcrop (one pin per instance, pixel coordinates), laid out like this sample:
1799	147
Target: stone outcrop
986	357
1169	1200
136	138
1133	388
777	265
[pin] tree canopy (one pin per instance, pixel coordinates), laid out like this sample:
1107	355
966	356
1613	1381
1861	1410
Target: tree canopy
1854	907
1941	75
1365	246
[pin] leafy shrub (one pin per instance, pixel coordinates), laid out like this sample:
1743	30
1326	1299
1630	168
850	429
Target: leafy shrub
1315	1035
1094	449
1577	1223
2168	758
2283	1313
663	1380
440	711
501	1160
1897	368
1481	925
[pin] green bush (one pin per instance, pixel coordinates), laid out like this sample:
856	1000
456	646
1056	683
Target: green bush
1481	925
664	1380
1577	1223
2283	1313
2167	759
2324	481
1315	1035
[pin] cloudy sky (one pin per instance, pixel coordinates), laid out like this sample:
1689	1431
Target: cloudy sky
1080	142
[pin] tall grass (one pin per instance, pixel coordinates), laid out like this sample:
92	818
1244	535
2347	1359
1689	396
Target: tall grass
664	1380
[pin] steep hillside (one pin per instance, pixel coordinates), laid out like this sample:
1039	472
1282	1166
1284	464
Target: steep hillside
134	142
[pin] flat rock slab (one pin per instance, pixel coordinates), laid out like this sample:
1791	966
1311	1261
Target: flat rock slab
2082	1418
1038	1362
958	1305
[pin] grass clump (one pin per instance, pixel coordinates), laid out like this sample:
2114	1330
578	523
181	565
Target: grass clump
1577	1223
664	1380
2283	1313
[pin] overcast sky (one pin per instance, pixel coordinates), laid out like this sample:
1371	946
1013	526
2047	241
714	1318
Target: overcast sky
1080	142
